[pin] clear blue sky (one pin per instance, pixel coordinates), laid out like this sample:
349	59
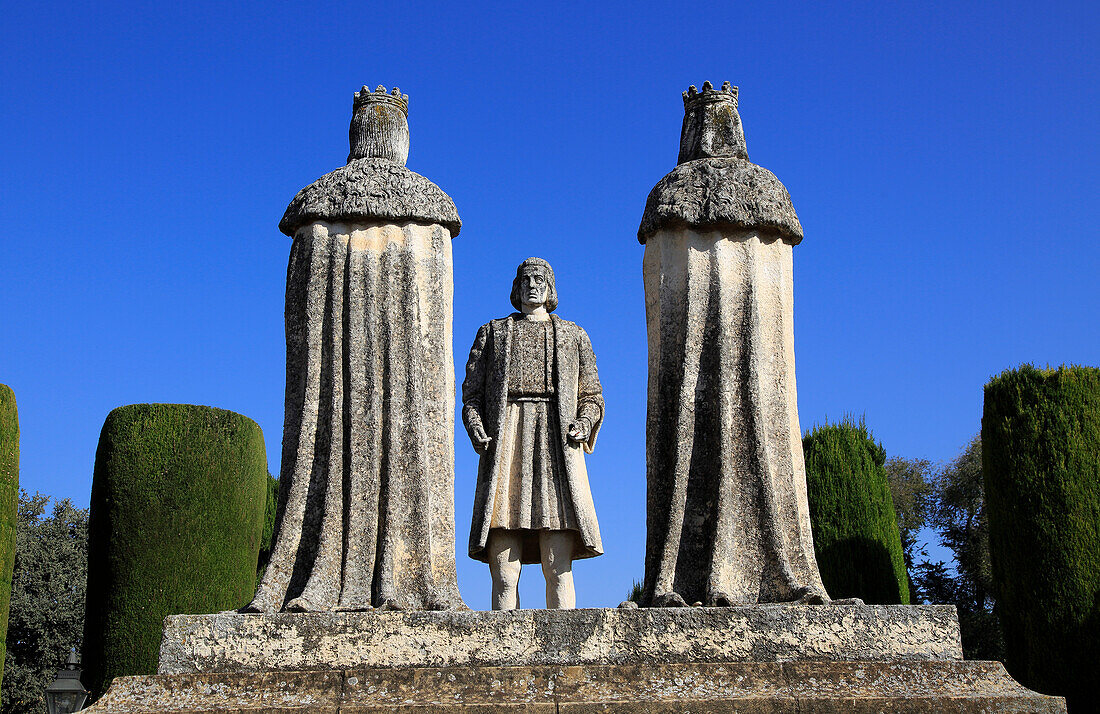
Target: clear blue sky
942	158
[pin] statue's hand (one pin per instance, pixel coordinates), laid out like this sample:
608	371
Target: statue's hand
579	430
480	439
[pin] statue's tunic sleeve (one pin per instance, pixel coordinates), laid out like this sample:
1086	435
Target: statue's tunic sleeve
473	387
590	404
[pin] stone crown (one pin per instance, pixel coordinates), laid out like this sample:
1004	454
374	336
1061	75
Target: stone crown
694	97
380	95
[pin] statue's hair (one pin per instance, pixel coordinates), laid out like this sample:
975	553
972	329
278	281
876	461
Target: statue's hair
552	292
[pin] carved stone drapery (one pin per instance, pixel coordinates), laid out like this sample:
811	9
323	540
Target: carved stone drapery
727	514
366	500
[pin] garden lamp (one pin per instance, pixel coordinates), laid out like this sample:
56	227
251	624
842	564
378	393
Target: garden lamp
66	694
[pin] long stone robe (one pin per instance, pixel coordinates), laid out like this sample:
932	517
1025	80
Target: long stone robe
728	519
367	518
485	398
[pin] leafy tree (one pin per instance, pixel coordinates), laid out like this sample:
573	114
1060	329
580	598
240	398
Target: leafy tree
956	510
47	599
910	482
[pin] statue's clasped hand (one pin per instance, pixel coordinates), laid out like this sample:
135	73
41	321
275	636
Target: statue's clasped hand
579	430
479	438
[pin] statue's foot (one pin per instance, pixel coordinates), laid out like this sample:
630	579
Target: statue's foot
669	599
257	606
391	605
847	601
302	604
451	601
263	602
807	595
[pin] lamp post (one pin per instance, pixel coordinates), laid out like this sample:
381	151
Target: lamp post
66	694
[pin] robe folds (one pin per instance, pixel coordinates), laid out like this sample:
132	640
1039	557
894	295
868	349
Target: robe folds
366	509
727	519
485	402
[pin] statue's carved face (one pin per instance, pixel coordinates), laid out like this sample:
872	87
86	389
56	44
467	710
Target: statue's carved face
534	288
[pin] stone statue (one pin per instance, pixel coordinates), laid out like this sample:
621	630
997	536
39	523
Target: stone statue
531	402
727	517
366	500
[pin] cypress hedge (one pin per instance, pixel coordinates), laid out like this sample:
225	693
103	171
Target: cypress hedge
9	504
1041	461
267	538
177	513
855	528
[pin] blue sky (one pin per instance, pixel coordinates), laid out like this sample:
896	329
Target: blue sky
941	156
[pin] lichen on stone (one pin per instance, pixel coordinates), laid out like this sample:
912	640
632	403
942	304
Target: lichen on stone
371	189
721	193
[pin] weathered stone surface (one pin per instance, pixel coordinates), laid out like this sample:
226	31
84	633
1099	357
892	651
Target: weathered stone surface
375	185
299	641
721	193
715	186
727	520
366	498
918	686
371	189
532	405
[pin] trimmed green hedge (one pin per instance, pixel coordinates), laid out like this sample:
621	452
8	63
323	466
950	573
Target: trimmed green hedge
177	513
1041	461
855	528
267	539
9	504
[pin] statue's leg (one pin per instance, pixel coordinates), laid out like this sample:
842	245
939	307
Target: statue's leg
504	549
556	548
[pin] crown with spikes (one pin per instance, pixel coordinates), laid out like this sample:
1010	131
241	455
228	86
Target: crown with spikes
694	97
379	95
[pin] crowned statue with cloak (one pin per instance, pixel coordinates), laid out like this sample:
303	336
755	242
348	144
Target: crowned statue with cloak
728	521
365	518
532	405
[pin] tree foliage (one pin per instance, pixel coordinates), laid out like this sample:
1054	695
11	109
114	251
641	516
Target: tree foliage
910	482
1041	430
9	492
177	511
956	511
268	535
855	529
47	599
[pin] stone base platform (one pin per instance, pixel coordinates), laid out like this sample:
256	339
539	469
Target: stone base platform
772	658
353	640
749	687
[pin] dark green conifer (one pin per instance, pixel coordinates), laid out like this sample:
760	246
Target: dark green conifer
1041	461
9	500
177	514
855	528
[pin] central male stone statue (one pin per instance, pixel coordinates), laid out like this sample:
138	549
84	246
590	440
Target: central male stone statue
531	402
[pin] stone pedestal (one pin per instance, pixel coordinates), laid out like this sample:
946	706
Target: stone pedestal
748	659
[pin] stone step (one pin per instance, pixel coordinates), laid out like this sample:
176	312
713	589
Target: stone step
801	686
759	633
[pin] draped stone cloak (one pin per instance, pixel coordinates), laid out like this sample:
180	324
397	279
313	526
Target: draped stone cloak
365	515
727	516
485	398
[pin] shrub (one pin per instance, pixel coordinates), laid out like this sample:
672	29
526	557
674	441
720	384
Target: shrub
177	513
9	499
855	528
267	538
1041	449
